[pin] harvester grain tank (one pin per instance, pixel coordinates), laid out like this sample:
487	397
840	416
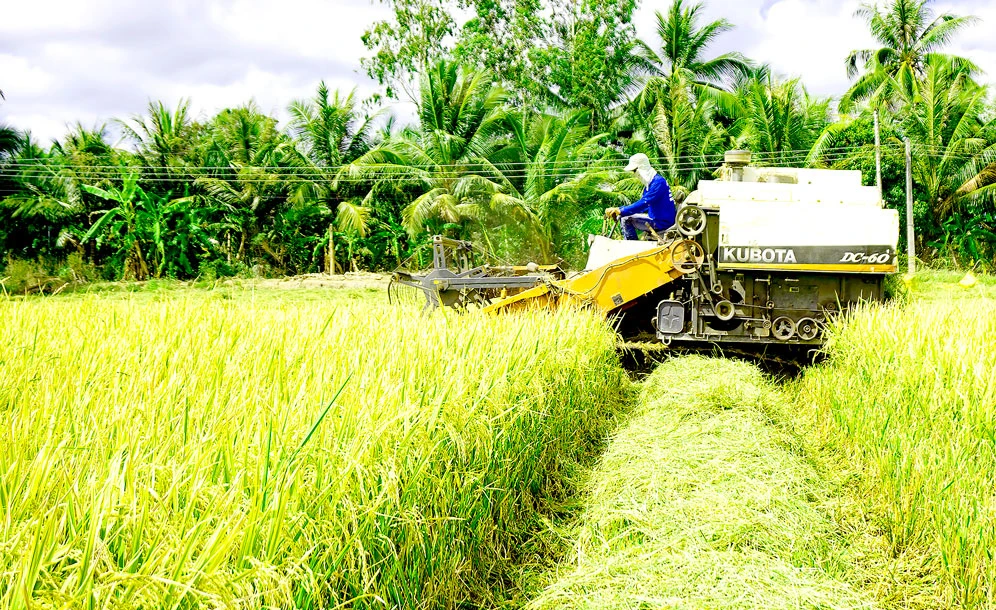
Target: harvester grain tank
759	256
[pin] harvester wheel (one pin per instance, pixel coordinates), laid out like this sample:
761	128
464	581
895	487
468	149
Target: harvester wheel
403	293
783	328
690	220
687	256
724	310
807	329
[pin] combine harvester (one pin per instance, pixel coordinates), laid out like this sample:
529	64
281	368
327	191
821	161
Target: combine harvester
756	263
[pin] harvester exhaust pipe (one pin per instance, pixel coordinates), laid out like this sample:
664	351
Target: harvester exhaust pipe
736	161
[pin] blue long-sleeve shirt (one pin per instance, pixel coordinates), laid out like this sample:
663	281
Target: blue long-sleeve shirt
656	202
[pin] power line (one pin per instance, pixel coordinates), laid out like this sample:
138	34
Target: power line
384	174
683	160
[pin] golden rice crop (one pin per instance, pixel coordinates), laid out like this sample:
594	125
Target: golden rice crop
909	393
196	452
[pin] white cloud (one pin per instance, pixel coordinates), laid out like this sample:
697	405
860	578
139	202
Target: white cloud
45	17
812	40
63	61
22	75
807	38
312	28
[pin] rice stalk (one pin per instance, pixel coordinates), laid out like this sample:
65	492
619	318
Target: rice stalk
194	452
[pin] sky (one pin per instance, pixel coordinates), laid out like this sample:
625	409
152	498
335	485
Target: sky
63	61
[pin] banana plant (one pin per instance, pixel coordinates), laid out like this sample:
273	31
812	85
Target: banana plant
134	227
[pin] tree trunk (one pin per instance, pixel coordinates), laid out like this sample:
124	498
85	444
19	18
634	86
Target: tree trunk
142	267
330	257
242	248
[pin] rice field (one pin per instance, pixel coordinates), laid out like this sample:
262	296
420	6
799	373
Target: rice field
243	448
908	398
868	482
189	451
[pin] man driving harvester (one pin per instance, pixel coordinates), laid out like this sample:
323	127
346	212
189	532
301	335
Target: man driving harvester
654	211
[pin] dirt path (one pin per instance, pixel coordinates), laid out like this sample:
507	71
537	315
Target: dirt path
358	281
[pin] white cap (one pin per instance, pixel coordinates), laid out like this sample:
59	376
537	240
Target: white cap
638	161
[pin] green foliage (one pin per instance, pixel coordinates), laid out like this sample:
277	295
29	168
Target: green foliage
405	45
502	38
592	63
524	115
23	276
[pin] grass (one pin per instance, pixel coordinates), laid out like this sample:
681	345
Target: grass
943	285
217	450
908	396
703	500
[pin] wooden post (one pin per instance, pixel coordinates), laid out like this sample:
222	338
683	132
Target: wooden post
910	236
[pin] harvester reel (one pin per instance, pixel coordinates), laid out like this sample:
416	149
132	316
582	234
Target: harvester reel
404	293
687	256
690	220
807	328
783	328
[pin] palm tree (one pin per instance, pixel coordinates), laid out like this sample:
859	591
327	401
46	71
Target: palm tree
10	140
954	149
910	36
164	137
681	60
86	155
255	176
552	180
331	133
674	115
681	133
778	120
446	160
41	188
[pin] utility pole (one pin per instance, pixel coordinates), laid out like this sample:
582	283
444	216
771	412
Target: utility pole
910	248
878	157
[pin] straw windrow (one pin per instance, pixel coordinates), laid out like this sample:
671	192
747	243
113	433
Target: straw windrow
702	501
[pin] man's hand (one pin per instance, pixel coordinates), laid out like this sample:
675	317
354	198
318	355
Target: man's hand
612	212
